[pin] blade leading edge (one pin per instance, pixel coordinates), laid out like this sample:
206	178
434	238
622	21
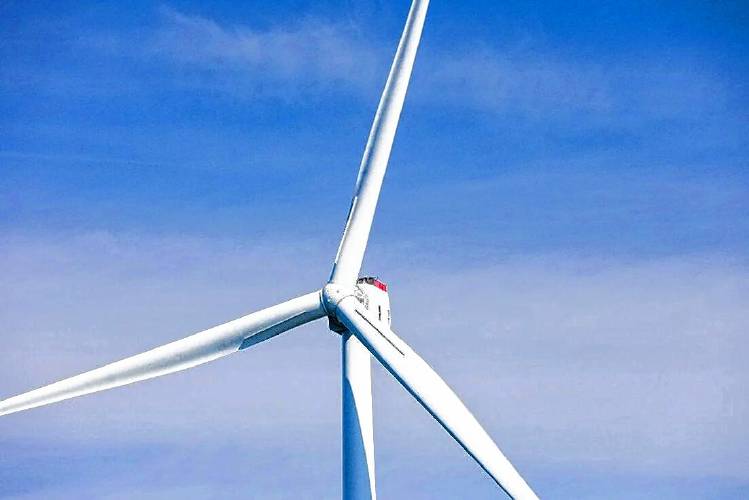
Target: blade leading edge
191	351
377	152
434	395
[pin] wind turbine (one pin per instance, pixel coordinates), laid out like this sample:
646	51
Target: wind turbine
357	308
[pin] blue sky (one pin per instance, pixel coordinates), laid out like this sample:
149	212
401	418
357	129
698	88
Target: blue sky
563	228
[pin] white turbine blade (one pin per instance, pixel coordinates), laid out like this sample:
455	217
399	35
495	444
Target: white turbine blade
374	162
433	394
179	355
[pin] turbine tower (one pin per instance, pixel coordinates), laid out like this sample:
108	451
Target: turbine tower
356	308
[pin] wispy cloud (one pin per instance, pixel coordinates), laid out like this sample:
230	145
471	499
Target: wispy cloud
310	53
533	83
305	54
513	81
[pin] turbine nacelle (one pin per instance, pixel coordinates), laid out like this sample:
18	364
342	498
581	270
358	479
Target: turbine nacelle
377	299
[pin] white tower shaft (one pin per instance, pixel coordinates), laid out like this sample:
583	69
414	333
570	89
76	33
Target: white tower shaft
358	471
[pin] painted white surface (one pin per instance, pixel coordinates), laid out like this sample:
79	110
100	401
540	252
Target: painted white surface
377	152
433	394
179	355
357	443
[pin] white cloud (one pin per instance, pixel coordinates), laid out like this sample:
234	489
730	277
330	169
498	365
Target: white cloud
511	80
305	54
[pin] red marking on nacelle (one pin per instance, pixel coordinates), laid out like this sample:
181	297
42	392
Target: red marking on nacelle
370	280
